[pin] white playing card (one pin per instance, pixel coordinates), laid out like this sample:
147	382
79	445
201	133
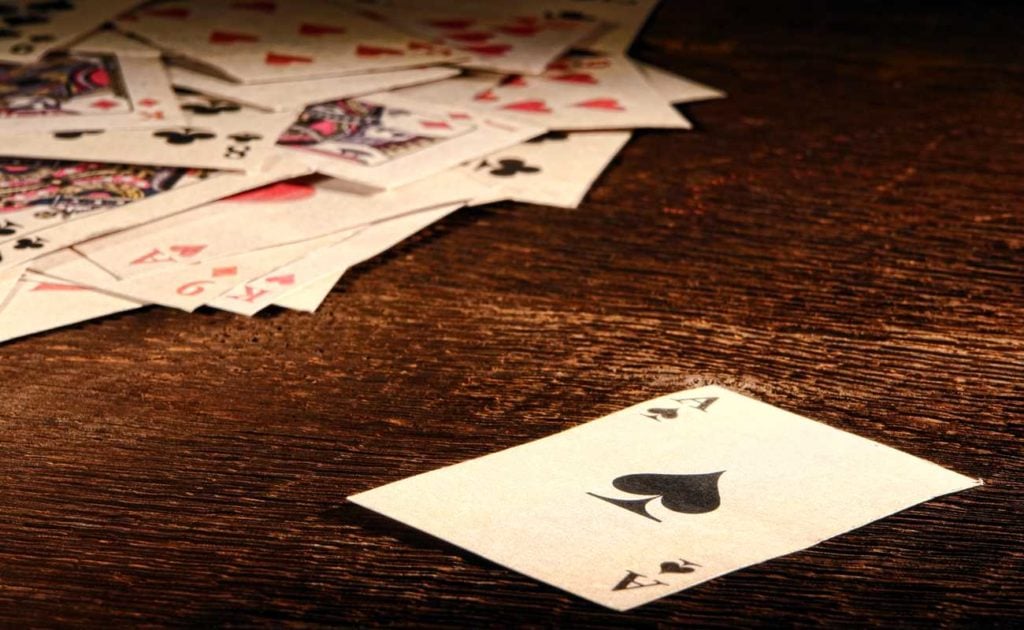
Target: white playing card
663	495
308	297
384	141
184	287
266	41
95	199
274	215
676	89
578	92
556	169
8	281
256	294
296	95
621	19
87	90
233	143
40	303
28	30
497	37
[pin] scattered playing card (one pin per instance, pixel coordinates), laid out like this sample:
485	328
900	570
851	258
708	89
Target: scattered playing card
556	169
383	141
257	42
31	29
663	495
292	95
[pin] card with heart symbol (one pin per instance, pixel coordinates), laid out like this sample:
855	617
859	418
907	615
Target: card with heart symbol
267	41
87	89
28	30
663	495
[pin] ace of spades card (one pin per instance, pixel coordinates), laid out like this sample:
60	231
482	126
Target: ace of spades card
68	91
663	495
28	30
259	42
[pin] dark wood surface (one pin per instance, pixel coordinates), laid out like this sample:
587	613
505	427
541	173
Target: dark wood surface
843	237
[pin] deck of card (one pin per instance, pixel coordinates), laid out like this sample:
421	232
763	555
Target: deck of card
239	155
663	495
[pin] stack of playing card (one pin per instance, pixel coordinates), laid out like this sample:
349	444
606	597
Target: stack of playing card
240	154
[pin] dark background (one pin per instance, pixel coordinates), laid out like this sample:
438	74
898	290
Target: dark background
842	237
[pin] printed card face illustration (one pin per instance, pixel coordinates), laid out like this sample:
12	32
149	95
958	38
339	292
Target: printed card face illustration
556	169
28	30
663	495
385	141
257	42
581	91
72	91
296	95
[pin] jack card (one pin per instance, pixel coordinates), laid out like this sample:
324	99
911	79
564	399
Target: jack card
383	141
663	495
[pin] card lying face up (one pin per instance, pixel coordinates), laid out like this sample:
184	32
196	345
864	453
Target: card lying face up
663	495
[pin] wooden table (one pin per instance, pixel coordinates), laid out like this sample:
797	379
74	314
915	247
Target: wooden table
842	237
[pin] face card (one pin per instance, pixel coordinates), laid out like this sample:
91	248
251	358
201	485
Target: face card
556	169
68	91
676	89
55	205
286	212
259	42
28	30
384	141
256	294
296	95
663	495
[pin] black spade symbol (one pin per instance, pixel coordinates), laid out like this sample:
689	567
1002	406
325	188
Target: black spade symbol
685	494
660	412
73	135
508	168
212	107
675	567
186	135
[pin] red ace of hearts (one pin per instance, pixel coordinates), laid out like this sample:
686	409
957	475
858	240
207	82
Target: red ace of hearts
277	59
319	29
601	103
532	105
225	37
488	50
262	7
365	50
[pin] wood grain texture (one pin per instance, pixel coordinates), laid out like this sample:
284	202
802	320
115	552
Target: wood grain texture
843	237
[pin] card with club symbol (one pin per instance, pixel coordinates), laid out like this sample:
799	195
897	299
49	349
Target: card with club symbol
28	30
663	495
